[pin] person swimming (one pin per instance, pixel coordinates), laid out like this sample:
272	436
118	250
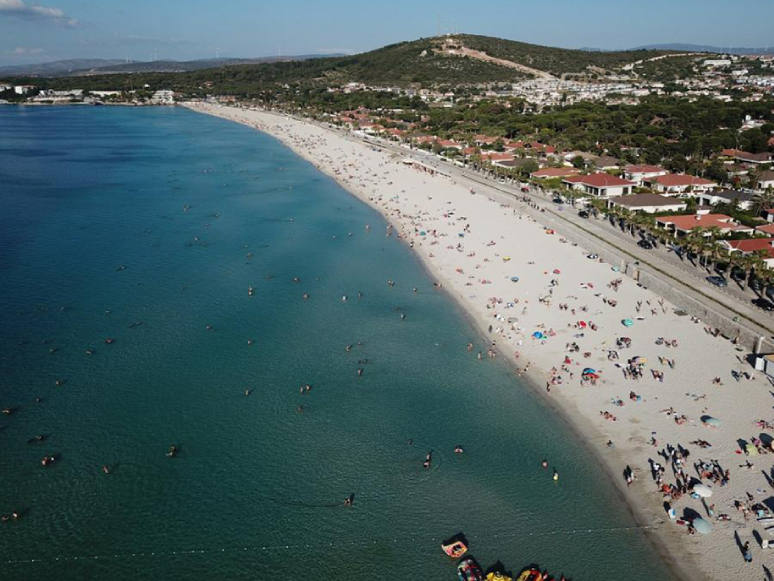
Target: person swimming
172	451
350	500
459	449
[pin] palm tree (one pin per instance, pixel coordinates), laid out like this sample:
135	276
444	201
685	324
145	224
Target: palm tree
762	201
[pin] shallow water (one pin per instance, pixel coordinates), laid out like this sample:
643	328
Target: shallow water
197	209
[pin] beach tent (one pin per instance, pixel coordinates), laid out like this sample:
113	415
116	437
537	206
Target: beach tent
710	421
514	279
702	490
627	322
702	526
751	450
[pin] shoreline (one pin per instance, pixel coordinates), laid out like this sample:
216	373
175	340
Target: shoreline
671	547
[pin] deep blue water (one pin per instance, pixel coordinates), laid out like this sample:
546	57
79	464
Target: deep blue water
196	210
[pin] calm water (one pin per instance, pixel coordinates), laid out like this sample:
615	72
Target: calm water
197	209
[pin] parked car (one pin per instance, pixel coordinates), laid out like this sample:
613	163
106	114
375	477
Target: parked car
583	214
764	304
558	200
646	244
717	281
525	189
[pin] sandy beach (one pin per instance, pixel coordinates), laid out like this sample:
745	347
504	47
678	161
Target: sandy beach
651	374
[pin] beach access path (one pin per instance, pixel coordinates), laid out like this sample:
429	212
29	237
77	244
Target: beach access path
564	314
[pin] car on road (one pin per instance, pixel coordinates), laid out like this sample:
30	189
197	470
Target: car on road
646	244
717	281
525	189
583	214
558	200
764	304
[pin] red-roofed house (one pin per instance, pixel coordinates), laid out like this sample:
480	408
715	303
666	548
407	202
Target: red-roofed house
601	185
752	245
554	172
768	229
681	225
676	184
494	156
449	144
485	139
756	158
766	180
638	173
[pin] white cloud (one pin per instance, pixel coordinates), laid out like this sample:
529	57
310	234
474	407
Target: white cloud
22	51
19	9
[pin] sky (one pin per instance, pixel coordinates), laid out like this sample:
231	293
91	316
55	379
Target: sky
34	31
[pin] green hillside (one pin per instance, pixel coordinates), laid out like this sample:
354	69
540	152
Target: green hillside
425	62
557	61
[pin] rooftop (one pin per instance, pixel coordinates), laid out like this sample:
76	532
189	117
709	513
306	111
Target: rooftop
705	221
599	180
670	180
642	200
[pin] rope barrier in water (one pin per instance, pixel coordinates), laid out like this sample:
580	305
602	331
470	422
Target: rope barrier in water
281	547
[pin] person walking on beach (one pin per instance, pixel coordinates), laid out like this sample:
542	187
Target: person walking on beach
747	553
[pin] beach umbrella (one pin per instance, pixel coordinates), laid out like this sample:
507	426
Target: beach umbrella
582	324
710	421
589	370
751	450
640	360
702	490
422	233
557	271
627	322
537	335
514	279
702	526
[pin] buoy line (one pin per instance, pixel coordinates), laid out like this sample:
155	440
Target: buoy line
253	548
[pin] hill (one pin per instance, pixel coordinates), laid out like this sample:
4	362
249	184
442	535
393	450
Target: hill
56	68
85	67
448	61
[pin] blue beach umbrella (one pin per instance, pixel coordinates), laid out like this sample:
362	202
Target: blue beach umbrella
627	322
589	370
538	335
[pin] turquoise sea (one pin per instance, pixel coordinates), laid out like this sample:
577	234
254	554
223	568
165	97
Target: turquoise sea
147	226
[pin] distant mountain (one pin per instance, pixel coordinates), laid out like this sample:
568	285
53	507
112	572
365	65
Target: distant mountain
707	48
86	67
56	68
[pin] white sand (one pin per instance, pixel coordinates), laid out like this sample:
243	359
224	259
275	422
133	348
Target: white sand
415	202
